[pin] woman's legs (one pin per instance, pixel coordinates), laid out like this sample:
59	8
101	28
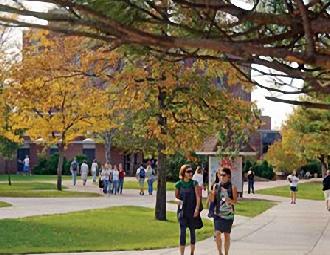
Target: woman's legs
120	186
115	187
192	240
218	241
150	189
291	195
227	243
105	186
182	238
294	197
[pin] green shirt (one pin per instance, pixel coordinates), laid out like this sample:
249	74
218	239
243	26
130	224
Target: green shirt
185	185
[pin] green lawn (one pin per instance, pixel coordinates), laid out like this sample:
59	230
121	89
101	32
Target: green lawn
311	191
247	207
36	189
119	228
4	204
135	185
28	178
252	207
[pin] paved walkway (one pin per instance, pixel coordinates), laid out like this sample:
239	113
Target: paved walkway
283	230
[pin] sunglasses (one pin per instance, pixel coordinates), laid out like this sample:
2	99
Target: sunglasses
189	171
223	175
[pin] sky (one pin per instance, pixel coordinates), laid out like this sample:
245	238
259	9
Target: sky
277	111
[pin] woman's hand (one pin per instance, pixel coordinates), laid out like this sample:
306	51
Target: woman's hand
196	214
229	201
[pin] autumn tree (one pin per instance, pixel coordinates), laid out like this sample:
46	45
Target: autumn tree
289	37
179	107
55	100
9	139
304	138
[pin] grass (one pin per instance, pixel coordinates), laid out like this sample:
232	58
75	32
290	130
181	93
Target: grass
36	189
4	204
135	185
28	178
247	207
252	207
113	229
310	190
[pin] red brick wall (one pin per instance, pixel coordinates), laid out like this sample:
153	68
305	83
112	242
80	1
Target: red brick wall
73	150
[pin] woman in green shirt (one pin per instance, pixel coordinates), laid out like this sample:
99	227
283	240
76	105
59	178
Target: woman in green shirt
186	192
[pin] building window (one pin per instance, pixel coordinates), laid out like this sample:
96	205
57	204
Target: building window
89	153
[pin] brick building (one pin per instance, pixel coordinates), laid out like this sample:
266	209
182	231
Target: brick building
80	146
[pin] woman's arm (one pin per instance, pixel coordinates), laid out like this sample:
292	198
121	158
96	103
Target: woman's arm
198	201
234	200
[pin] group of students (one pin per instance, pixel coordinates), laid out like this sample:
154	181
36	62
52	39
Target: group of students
84	171
221	207
112	179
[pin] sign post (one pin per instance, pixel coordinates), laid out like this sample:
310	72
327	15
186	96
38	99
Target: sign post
236	170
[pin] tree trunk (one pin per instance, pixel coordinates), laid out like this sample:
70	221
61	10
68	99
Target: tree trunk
60	166
107	144
160	209
323	165
132	164
7	171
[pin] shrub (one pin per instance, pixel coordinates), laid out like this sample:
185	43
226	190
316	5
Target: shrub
247	164
263	169
313	167
174	162
47	165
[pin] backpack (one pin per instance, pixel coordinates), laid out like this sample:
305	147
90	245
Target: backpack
142	173
74	166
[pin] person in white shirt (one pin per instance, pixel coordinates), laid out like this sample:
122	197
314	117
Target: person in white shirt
26	165
84	172
198	177
105	175
94	169
293	179
115	180
110	186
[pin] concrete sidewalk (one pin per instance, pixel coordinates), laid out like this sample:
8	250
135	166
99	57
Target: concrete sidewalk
283	230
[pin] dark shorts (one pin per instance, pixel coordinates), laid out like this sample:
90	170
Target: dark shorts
223	225
293	189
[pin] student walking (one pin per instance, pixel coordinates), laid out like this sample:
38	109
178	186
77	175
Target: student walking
84	172
150	179
105	174
189	204
198	177
326	189
74	168
250	181
141	175
94	169
115	180
224	196
110	185
121	178
26	165
293	179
